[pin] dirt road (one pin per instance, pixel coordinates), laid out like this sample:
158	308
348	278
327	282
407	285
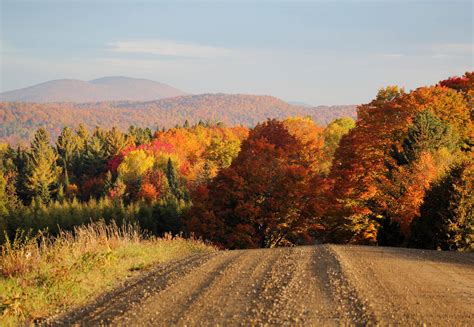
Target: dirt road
319	285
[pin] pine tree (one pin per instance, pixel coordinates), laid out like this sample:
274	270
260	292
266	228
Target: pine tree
83	136
94	157
171	176
173	181
67	147
3	197
115	141
186	124
3	207
109	184
43	171
447	215
60	197
21	161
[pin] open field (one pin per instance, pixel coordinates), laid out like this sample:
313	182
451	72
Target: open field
320	285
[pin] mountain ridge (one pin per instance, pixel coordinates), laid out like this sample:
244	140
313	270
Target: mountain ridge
107	88
19	120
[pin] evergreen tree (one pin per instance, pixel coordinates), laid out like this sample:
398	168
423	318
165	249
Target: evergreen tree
60	196
108	184
115	141
67	147
83	136
3	208
186	124
447	214
94	157
21	161
43	171
173	181
139	135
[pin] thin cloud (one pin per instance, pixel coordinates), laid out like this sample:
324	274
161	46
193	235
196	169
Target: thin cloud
168	48
393	55
446	50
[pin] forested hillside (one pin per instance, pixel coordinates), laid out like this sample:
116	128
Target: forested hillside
18	121
401	175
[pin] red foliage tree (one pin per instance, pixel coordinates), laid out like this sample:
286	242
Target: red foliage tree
261	199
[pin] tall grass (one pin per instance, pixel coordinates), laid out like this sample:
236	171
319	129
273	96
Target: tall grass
44	275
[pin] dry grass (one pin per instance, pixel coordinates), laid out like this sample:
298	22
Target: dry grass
42	275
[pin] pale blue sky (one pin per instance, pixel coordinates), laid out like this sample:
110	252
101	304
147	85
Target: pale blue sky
319	52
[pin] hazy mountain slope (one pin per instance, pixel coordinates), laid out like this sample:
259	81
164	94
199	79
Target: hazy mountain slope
102	89
18	121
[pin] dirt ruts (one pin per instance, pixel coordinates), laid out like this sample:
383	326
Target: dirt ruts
314	285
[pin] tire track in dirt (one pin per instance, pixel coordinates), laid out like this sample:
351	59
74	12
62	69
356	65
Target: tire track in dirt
168	306
231	297
300	286
412	287
114	303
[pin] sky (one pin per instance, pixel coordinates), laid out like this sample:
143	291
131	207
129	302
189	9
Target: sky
317	52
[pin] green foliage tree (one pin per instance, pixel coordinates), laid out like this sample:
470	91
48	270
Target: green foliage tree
94	157
139	135
21	160
43	171
67	147
109	183
332	136
447	215
427	133
115	141
3	207
173	181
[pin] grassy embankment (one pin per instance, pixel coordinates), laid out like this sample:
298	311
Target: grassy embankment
42	276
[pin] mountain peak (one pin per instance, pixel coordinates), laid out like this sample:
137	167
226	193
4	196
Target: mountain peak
108	88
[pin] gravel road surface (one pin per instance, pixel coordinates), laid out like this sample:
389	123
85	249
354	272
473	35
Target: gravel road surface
311	286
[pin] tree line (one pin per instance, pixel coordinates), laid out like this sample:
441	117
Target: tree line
402	174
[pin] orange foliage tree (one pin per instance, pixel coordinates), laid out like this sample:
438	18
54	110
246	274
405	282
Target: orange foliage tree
261	199
364	154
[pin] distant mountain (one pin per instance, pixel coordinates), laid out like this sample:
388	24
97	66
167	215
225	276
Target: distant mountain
19	120
299	103
112	88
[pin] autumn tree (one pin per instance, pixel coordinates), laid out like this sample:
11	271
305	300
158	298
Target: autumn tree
43	171
311	137
259	201
132	169
361	158
332	136
427	133
222	152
